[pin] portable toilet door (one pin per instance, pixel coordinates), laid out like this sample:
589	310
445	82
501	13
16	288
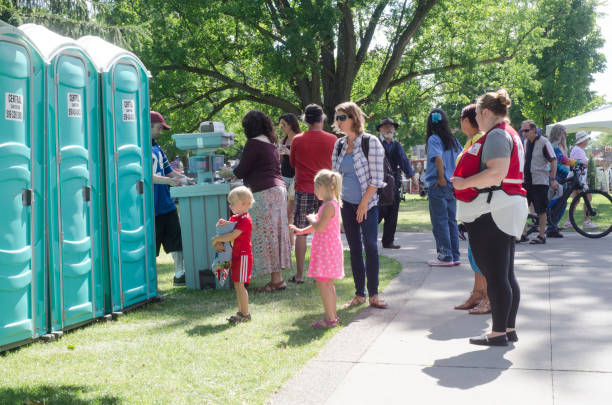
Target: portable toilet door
131	226
74	177
23	315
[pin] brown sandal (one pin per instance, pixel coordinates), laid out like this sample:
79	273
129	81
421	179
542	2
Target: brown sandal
377	302
484	307
473	300
357	300
270	287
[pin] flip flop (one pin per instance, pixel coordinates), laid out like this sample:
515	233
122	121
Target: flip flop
294	280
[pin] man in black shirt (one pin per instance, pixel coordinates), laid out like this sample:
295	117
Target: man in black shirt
399	163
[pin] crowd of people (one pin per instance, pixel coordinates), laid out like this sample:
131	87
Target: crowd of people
314	182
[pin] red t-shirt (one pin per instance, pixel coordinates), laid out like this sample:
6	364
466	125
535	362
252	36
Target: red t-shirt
310	152
242	244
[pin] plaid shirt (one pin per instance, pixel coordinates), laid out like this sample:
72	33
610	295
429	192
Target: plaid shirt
370	171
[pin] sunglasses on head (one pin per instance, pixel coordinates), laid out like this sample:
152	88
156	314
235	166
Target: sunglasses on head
342	117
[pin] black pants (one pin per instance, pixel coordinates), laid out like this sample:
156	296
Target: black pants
493	251
389	214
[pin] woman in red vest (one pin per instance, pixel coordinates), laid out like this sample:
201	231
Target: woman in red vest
491	203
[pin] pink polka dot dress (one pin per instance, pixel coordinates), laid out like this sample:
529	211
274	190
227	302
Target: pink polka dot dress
326	258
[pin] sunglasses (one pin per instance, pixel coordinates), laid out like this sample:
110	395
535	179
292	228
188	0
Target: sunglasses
342	117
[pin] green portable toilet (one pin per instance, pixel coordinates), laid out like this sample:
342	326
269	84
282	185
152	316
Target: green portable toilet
23	304
127	150
74	180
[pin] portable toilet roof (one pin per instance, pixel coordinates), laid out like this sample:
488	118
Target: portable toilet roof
48	42
105	54
8	29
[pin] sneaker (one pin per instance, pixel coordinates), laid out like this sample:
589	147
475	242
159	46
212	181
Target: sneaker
567	224
239	317
456	262
589	225
440	263
179	281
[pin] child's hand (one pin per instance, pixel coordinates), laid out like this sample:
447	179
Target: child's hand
295	229
219	247
214	241
311	218
221	222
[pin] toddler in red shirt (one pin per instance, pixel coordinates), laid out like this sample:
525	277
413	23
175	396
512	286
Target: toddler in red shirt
240	200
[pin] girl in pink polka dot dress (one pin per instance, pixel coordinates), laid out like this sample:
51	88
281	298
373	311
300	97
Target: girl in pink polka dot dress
326	258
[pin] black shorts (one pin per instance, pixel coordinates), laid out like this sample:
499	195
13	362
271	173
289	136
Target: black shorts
168	232
305	203
538	195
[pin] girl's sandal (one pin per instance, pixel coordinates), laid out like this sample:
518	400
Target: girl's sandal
325	324
357	300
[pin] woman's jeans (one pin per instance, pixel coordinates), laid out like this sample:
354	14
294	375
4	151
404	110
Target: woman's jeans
355	232
442	211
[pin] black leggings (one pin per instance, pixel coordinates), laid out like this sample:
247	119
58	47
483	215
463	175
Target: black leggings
493	251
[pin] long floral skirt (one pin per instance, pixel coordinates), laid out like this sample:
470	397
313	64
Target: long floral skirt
270	237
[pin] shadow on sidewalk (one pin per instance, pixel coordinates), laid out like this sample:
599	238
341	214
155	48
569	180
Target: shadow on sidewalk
462	325
465	371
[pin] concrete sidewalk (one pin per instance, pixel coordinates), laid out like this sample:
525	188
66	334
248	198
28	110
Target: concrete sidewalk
417	351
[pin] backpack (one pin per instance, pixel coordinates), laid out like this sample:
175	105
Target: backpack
386	194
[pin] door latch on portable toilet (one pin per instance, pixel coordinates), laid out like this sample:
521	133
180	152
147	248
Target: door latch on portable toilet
26	196
86	193
140	187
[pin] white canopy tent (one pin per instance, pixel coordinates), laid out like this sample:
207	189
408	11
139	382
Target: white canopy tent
599	120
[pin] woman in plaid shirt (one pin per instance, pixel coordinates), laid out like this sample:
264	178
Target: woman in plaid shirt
361	178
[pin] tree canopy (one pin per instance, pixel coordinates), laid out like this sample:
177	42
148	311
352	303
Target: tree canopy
215	59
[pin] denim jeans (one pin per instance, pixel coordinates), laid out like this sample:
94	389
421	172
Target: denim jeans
366	231
442	211
553	222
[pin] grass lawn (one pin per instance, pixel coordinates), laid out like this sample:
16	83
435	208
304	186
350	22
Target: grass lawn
181	351
414	214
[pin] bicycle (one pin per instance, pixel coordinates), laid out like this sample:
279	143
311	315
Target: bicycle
596	204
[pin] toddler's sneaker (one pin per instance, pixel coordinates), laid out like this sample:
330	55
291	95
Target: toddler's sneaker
239	317
567	224
589	225
440	263
456	262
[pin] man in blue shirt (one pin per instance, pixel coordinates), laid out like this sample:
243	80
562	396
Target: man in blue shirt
167	226
399	163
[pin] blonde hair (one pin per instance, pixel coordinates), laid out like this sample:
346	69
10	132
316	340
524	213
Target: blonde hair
354	112
241	193
332	183
497	102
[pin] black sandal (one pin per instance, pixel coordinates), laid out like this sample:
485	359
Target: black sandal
294	280
524	238
538	240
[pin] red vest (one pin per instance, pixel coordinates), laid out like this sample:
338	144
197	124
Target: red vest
469	165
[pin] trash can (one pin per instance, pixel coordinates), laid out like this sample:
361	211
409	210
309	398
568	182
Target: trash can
22	237
75	188
127	150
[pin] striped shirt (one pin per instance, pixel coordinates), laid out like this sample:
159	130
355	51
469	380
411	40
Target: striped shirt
370	171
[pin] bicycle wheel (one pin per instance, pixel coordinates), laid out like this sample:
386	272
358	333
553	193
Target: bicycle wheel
597	205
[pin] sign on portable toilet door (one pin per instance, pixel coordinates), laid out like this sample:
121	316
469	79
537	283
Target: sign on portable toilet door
74	105
13	107
128	111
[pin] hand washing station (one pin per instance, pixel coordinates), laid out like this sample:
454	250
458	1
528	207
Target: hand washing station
202	204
